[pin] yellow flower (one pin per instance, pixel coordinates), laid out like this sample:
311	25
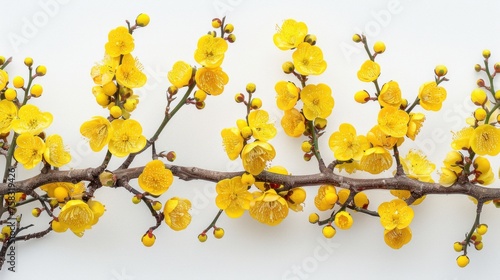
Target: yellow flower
176	213
417	166
369	71
485	140
346	145
431	96
415	124
343	220
29	150
462	138
268	207
390	95
349	167
376	160
295	198
308	60
397	238
326	197
293	123
211	80
258	122
126	137
31	120
395	214
318	101
77	216
290	35
98	130
97	208
232	142
454	161
129	73
393	122
447	177
4	78
75	191
55	153
8	113
104	72
181	74
120	41
378	138
255	156
287	95
233	197
155	178
210	51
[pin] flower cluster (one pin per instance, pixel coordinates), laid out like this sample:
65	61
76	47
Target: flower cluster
395	217
305	107
480	138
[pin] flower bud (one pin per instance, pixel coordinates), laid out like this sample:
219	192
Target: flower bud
200	105
142	20
480	83
288	67
216	23
239	97
379	47
256	103
486	54
320	123
440	70
478	97
28	61
251	88
362	96
171	156
480	114
477	67
311	39
172	90
231	38
229	28
356	38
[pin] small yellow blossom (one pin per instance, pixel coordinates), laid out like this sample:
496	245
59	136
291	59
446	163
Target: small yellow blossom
232	142
454	160
120	42
181	74
55	153
397	238
393	122
126	137
318	101
295	199
233	197
74	191
31	120
176	213
343	220
129	74
390	95
4	78
255	156
415	124
447	177
8	113
77	216
268	207
431	96
97	208
308	60
210	51
258	120
349	167
395	214
485	140
293	123
29	150
211	80
462	138
405	195
417	166
376	160
346	145
104	72
290	35
98	130
155	178
378	138
287	95
326	197
369	71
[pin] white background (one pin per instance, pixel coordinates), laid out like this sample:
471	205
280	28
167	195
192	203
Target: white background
69	36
